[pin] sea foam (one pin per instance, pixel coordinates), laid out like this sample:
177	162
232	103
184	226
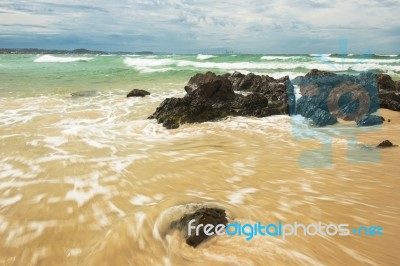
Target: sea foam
59	59
204	56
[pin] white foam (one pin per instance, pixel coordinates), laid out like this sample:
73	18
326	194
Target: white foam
204	56
74	252
141	200
161	65
22	235
10	201
361	60
320	55
59	59
55	141
3	224
279	57
388	55
238	196
85	188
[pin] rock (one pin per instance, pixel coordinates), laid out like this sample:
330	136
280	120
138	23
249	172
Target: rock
389	100
325	97
283	79
297	80
137	93
397	85
385	82
322	117
236	78
203	216
389	92
371	120
336	96
386	144
316	72
210	86
389	120
210	97
261	84
83	94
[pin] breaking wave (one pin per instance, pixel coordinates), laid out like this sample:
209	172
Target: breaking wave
59	59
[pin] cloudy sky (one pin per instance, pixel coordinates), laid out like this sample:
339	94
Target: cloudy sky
208	26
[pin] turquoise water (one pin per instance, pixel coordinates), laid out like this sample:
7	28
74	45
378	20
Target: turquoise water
29	75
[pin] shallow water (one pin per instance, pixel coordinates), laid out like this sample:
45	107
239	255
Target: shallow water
91	181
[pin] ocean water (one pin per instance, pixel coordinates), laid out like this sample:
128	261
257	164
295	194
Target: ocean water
25	75
92	181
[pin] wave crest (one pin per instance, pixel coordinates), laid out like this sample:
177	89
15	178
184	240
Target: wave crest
57	59
204	56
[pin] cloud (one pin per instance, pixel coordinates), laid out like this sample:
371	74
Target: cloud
188	26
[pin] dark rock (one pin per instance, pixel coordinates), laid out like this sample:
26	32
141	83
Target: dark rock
385	83
389	100
389	92
389	120
371	120
397	85
210	86
137	93
283	79
316	72
322	117
213	216
297	80
339	96
83	94
210	97
325	97
386	144
260	84
236	78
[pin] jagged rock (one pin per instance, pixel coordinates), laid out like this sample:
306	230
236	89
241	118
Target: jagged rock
386	144
213	216
316	72
325	97
389	100
210	97
322	117
397	85
385	83
210	86
137	93
371	120
297	80
339	96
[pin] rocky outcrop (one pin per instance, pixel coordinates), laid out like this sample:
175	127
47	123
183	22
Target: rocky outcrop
389	92
204	216
327	96
275	89
397	85
137	93
210	97
385	82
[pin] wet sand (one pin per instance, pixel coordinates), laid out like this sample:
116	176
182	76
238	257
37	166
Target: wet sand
92	182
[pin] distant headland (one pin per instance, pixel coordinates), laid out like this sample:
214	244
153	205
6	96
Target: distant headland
76	51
